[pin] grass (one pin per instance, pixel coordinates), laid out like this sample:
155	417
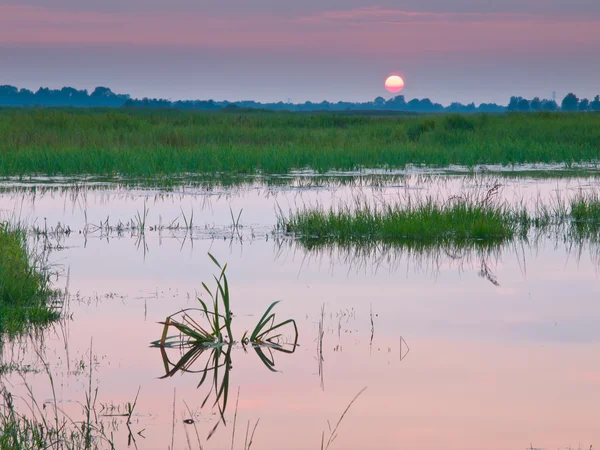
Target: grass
25	293
427	222
159	144
42	427
458	223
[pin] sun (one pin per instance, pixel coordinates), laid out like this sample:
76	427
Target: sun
394	83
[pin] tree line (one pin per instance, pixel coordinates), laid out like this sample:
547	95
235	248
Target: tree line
105	97
571	103
67	96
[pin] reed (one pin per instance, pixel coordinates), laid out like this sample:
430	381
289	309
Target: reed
50	428
158	145
428	222
25	293
457	224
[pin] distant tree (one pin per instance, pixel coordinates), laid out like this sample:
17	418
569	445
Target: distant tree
570	103
513	105
26	97
379	103
536	104
455	107
549	105
397	103
101	91
9	95
325	105
426	105
414	105
491	108
8	91
595	104
584	105
523	105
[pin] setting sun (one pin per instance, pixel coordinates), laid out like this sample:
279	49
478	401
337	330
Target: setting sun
394	83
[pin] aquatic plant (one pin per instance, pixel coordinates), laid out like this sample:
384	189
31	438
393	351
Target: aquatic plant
46	426
25	294
196	340
158	145
426	221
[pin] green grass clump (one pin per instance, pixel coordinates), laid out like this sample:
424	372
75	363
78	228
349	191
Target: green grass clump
465	223
158	144
586	208
585	215
24	289
457	122
428	222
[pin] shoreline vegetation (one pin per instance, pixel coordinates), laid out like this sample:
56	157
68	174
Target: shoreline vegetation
155	144
25	293
458	223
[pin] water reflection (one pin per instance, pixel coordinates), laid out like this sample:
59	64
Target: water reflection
498	337
210	333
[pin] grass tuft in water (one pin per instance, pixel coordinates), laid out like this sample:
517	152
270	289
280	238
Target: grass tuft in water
585	215
427	222
28	424
193	340
25	293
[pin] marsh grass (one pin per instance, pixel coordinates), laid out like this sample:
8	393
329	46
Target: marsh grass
333	432
585	211
25	294
456	224
50	428
428	223
162	144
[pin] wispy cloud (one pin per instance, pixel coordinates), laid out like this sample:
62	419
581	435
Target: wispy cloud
360	30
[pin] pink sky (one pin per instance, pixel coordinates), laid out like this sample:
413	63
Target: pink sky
410	40
354	31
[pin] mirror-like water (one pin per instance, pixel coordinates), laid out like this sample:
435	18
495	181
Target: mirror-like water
466	350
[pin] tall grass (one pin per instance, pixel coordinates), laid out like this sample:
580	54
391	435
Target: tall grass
458	223
25	293
427	221
162	143
25	424
585	215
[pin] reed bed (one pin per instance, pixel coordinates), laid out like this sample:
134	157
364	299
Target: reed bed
25	293
157	144
429	222
456	223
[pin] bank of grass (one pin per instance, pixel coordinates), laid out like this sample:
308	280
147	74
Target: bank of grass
585	215
427	223
25	293
456	223
161	143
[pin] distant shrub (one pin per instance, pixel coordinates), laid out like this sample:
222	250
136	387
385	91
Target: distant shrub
456	122
414	132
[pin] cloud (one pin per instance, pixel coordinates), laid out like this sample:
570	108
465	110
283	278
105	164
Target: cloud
389	16
355	31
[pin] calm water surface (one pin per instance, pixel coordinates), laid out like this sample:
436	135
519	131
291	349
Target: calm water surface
457	351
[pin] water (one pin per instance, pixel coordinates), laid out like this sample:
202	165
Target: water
457	351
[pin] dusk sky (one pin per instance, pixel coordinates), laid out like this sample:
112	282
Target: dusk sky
272	50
